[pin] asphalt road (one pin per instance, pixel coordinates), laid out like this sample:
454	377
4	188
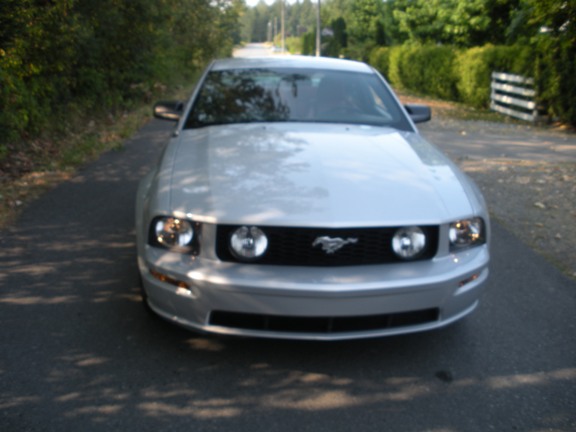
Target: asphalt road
79	352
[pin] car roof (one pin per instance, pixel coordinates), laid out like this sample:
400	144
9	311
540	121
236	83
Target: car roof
291	61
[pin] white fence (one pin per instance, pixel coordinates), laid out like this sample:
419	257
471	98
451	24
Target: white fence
513	95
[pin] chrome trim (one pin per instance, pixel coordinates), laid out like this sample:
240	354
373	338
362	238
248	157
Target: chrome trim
331	245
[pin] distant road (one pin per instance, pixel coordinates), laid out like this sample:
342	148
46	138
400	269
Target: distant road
253	50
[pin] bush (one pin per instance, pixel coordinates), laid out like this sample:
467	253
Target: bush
294	45
449	73
61	58
394	72
475	66
359	51
555	69
380	59
423	69
309	43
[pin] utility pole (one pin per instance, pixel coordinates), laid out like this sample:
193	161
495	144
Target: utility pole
282	25
318	31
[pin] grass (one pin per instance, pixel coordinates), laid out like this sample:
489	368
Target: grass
43	162
53	159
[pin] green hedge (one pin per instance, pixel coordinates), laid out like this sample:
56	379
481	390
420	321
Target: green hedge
555	74
474	68
423	69
380	59
464	75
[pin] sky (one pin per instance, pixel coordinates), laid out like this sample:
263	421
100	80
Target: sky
255	2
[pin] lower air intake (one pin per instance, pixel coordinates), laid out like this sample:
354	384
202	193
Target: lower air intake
327	325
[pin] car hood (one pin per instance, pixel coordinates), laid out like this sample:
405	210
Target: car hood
310	175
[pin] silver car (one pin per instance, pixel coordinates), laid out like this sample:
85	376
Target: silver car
296	199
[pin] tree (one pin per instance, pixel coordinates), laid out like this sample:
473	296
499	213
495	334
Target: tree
554	25
364	20
459	22
336	43
60	58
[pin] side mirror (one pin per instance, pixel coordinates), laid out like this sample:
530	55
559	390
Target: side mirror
419	113
168	110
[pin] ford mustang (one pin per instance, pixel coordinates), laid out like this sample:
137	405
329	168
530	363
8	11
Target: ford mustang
296	199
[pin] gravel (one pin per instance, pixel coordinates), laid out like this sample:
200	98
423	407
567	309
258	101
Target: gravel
527	175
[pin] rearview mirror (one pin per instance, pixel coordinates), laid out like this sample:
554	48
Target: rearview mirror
419	113
168	110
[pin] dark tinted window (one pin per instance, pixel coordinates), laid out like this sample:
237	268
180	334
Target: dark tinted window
290	95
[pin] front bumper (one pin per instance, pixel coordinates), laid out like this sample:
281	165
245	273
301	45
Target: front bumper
312	303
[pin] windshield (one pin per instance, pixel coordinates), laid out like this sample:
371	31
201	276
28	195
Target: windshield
294	95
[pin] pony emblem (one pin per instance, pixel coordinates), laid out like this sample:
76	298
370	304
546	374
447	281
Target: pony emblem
331	245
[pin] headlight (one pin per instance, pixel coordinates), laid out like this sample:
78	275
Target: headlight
409	242
248	243
465	233
172	232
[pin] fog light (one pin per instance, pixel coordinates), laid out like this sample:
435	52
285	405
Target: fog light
409	242
248	243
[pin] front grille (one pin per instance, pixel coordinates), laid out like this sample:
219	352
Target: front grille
324	325
294	246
